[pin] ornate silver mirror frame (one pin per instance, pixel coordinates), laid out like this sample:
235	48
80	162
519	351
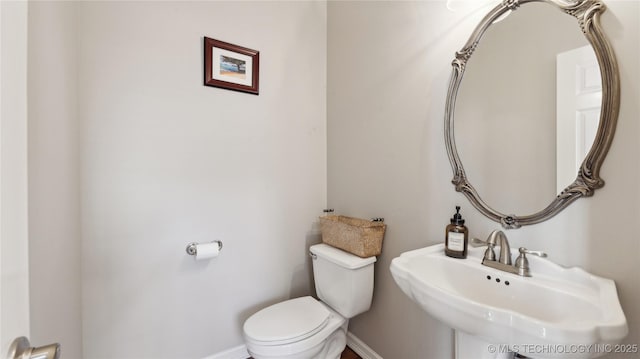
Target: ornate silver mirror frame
587	12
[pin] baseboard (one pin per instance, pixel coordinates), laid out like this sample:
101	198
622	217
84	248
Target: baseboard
360	347
357	345
239	352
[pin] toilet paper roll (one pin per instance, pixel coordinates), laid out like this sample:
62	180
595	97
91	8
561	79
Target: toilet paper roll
207	250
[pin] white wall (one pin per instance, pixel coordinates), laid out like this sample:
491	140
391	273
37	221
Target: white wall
388	66
388	72
54	178
14	259
166	161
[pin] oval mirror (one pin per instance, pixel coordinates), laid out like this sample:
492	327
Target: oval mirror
527	146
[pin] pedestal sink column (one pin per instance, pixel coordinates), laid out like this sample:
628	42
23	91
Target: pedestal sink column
471	347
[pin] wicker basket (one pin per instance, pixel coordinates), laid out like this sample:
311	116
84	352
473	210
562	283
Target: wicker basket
358	236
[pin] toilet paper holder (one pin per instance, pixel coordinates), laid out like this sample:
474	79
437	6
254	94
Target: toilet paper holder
192	248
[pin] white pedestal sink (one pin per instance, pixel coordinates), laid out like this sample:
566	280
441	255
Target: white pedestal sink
556	313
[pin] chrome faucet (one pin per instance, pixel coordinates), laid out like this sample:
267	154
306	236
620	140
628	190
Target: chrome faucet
498	238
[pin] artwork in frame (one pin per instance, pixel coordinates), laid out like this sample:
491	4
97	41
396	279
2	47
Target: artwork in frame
231	66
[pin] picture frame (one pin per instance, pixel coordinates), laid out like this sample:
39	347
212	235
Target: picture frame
231	67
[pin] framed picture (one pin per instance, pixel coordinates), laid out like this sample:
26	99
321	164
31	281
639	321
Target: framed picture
231	66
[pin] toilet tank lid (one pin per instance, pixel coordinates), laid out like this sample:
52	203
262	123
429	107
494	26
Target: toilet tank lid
340	257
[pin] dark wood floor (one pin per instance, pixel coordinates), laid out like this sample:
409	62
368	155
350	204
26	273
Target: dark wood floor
347	354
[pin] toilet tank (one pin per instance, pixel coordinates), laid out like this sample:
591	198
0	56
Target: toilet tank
343	281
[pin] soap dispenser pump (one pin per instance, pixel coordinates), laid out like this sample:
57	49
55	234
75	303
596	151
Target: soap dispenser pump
456	237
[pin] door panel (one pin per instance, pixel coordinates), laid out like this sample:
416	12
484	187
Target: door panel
579	97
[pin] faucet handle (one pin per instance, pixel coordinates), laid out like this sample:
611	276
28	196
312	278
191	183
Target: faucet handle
522	263
477	242
524	251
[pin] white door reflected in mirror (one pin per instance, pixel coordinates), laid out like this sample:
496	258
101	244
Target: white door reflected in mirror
578	102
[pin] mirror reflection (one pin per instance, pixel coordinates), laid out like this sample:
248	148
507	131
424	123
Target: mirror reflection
520	149
578	105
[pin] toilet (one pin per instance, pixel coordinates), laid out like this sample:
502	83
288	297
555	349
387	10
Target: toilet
306	328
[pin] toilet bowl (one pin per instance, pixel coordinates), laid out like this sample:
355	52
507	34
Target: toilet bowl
307	328
299	328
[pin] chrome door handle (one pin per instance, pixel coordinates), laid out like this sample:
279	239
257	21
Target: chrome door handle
21	349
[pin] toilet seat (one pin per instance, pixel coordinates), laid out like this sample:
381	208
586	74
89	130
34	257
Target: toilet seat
328	333
287	322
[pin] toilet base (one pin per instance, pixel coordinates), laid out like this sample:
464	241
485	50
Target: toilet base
334	345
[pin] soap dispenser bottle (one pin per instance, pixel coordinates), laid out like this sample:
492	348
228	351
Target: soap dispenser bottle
456	237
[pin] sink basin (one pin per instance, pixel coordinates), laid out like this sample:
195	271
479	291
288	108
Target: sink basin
557	312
